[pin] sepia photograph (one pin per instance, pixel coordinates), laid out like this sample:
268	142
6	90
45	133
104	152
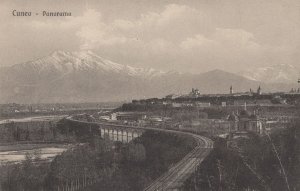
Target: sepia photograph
150	95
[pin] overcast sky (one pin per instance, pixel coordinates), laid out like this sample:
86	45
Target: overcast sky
188	36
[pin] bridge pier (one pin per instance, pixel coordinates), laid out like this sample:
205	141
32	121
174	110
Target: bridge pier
125	137
131	136
110	134
115	134
135	134
121	135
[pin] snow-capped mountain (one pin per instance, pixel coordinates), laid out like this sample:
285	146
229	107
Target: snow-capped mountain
68	62
282	73
75	77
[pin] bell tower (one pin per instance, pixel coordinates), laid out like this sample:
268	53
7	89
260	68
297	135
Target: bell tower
259	90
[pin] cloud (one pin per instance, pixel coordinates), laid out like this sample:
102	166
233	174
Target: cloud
151	28
223	39
197	41
94	32
237	38
228	49
173	37
89	27
171	13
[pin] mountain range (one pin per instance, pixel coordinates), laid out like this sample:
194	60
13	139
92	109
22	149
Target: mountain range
86	77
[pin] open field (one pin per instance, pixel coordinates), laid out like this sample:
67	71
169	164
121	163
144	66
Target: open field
17	152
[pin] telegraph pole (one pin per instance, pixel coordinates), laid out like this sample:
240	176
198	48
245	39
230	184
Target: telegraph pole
298	91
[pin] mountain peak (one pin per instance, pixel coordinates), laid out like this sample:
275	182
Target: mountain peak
66	62
79	54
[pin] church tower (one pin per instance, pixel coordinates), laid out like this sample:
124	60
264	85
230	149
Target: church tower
259	91
231	90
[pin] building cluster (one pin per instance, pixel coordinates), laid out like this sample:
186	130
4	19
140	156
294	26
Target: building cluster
247	110
245	121
295	90
135	118
194	93
194	98
15	108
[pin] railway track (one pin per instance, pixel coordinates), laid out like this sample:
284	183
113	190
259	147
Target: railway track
175	177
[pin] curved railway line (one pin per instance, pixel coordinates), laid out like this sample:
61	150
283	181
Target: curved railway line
175	177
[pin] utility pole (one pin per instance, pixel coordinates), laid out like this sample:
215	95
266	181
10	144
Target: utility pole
219	166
